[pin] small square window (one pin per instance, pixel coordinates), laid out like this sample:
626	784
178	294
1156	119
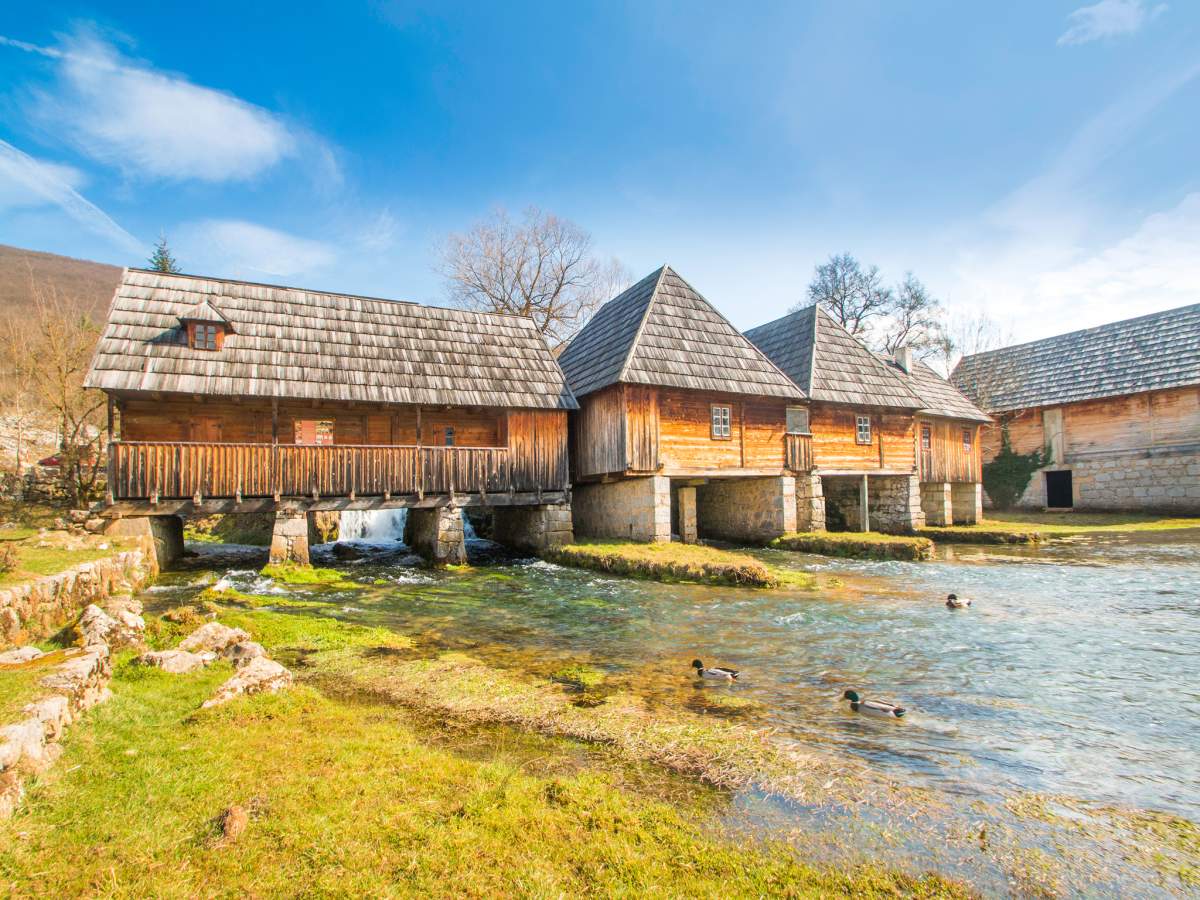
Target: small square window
449	436
967	441
204	337
926	437
721	418
797	420
862	429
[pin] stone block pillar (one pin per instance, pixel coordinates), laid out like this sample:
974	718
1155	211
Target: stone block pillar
688	532
165	531
290	537
810	503
437	534
637	509
894	503
967	502
754	510
936	502
533	528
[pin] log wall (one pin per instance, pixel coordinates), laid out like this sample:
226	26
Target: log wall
833	439
948	458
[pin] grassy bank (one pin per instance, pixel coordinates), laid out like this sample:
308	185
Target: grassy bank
856	544
670	562
36	556
365	801
984	533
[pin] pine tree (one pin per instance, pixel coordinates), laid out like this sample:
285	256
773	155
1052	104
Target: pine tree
162	260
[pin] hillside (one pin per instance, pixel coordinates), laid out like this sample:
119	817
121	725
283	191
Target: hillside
81	284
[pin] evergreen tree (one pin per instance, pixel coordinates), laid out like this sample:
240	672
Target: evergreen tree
162	260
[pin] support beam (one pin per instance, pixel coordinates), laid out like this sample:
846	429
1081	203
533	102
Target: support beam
688	532
864	500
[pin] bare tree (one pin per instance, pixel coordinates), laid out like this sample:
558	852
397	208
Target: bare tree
49	352
914	320
542	267
852	296
969	335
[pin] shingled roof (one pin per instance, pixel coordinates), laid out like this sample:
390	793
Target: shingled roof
829	363
662	332
295	344
940	397
1149	353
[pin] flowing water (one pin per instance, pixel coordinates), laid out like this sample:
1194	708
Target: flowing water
1076	672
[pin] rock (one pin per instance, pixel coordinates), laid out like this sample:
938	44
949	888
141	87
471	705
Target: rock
98	627
347	551
78	516
95	526
213	636
177	662
243	651
233	822
258	676
82	679
19	656
123	603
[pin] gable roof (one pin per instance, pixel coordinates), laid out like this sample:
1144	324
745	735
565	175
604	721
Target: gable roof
940	397
662	332
829	363
295	344
203	312
1149	353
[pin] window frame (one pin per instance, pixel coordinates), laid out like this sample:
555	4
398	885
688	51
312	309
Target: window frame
968	441
205	336
861	421
719	430
926	437
807	419
448	436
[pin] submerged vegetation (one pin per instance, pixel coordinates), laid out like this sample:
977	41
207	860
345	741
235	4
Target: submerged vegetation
293	573
673	561
856	544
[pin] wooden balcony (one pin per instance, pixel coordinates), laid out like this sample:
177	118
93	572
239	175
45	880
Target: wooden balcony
797	452
207	471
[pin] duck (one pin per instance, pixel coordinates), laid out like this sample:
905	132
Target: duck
880	708
718	672
953	601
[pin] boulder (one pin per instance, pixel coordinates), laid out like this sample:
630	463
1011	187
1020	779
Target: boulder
258	676
213	636
242	652
348	551
123	603
177	662
19	656
98	627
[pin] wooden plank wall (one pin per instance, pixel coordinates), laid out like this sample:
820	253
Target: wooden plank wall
641	428
537	441
685	432
598	433
893	444
948	459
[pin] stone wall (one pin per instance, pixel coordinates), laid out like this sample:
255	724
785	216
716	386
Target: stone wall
290	539
687	521
36	609
1160	480
533	528
747	509
966	501
163	533
893	502
636	509
810	503
937	502
437	534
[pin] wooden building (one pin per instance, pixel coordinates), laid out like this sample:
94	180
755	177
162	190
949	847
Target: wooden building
1116	407
684	426
864	462
949	458
226	396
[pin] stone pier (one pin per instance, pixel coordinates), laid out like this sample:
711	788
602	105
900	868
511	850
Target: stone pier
936	502
893	502
755	510
967	502
165	531
637	509
437	534
294	532
686	503
810	503
532	528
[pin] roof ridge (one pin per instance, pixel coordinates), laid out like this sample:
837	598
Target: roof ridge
812	360
637	335
870	353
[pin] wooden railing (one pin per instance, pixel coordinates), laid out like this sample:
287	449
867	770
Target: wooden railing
153	471
797	452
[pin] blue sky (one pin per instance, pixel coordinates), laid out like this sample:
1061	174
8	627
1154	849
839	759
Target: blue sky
1036	161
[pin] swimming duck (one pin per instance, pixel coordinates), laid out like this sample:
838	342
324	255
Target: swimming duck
718	672
954	602
873	707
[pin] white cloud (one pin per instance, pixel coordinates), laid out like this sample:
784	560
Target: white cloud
28	182
234	247
152	124
1107	19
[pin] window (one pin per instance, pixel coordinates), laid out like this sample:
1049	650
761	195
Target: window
862	429
926	437
449	436
204	336
967	439
797	420
720	423
314	432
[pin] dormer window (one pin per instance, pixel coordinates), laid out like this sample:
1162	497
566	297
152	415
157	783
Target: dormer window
204	336
206	327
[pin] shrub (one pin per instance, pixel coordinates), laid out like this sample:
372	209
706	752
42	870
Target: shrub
1006	477
8	558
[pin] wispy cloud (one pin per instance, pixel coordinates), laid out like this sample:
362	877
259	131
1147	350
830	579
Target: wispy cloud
25	182
1107	19
235	247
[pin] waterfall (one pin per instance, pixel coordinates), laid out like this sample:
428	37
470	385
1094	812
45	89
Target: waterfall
372	525
468	529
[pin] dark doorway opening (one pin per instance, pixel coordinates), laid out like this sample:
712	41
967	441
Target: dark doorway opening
1058	490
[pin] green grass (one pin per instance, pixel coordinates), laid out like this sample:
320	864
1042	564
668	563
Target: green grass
674	562
584	677
856	544
976	534
292	573
1080	522
28	517
253	529
36	562
348	798
21	684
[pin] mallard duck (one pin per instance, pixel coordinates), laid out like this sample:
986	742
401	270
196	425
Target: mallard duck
873	707
955	602
718	672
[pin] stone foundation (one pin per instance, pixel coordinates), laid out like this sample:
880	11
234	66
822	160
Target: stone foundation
893	502
532	528
166	533
437	534
747	509
1163	480
810	503
291	537
685	498
637	509
936	502
967	502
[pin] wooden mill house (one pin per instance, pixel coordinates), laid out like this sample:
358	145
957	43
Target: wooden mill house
226	396
1117	409
684	426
